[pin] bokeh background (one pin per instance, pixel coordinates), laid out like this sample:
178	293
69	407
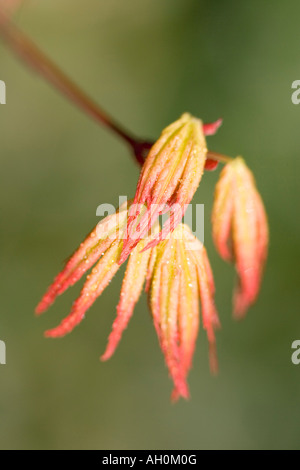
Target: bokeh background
146	62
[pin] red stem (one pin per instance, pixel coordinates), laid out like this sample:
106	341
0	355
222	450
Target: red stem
27	51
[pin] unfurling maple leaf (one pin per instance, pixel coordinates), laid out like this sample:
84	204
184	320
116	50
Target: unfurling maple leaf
169	178
103	246
240	230
171	261
181	278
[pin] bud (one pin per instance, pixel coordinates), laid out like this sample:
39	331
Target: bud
170	176
181	276
240	230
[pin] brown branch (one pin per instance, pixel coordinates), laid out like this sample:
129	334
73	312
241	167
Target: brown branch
26	50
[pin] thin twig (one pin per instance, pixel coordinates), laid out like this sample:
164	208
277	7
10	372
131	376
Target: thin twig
26	50
219	157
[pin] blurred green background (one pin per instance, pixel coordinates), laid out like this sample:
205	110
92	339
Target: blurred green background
146	62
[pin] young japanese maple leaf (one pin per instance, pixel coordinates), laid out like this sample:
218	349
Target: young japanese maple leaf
169	178
240	230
